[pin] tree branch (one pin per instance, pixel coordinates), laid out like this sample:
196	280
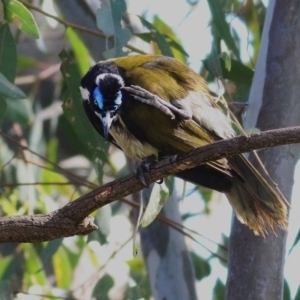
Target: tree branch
74	219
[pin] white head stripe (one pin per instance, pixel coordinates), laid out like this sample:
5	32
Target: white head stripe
103	75
85	94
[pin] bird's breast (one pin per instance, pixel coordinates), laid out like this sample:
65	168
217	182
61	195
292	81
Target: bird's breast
132	147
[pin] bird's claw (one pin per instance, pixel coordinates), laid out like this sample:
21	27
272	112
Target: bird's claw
146	97
144	167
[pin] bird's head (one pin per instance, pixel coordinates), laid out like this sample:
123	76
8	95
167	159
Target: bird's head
105	98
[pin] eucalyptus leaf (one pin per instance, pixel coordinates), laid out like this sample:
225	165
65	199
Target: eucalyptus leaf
159	38
74	112
104	19
219	290
171	37
8	54
50	249
238	72
6	290
3	109
297	296
19	111
102	288
286	291
158	198
62	268
296	241
213	64
80	51
33	265
225	56
109	18
219	20
201	266
9	90
148	37
15	12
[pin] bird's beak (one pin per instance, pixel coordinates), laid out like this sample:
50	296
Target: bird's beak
106	121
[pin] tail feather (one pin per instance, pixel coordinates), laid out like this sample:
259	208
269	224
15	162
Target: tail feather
255	201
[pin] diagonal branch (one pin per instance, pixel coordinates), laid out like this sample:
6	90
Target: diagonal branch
74	218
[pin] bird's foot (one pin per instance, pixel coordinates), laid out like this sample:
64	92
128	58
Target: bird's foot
144	167
146	97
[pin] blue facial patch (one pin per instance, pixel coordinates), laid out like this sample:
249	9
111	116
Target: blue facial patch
98	97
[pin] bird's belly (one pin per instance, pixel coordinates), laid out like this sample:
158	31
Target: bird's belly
131	146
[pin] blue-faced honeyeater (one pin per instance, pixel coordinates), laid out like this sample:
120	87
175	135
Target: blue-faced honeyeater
151	105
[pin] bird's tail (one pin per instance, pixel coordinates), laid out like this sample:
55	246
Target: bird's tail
256	202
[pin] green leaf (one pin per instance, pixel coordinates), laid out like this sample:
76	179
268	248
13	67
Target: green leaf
74	254
19	111
80	51
102	288
74	112
24	62
201	266
9	90
15	12
222	26
50	250
148	37
238	72
176	45
159	38
296	241
3	109
159	196
6	291
8	53
286	291
222	251
219	290
213	64
109	19
142	289
171	38
297	297
33	265
62	268
225	56
105	20
137	265
4	264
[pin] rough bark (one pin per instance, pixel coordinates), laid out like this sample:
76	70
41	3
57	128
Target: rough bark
256	264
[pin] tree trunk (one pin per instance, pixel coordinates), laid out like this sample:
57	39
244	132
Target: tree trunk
256	264
168	261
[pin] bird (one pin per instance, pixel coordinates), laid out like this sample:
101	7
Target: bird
156	106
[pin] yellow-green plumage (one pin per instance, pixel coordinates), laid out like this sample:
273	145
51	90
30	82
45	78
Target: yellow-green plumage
141	129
